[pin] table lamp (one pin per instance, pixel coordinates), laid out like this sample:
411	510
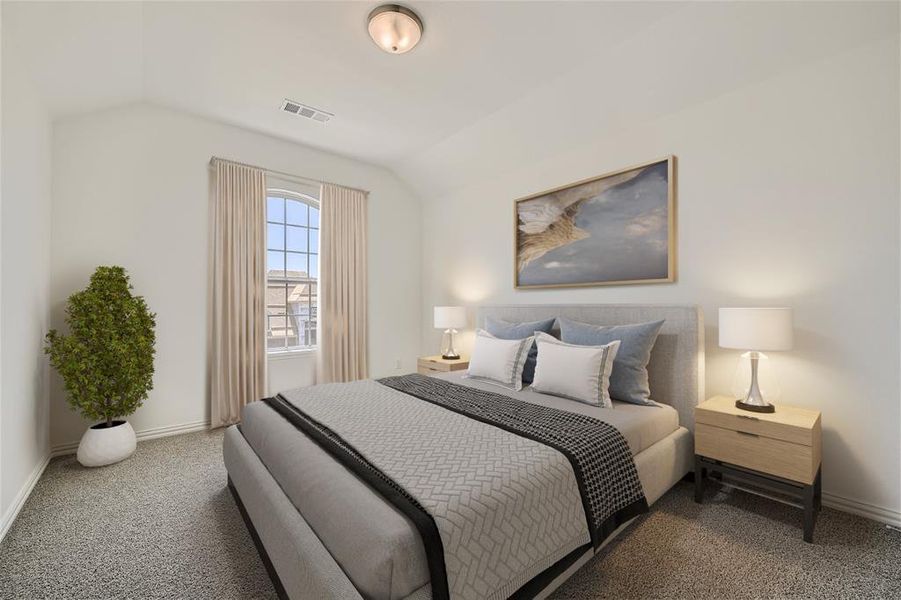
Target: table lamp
755	330
449	318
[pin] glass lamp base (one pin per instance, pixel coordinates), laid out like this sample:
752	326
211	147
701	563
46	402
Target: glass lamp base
450	353
761	408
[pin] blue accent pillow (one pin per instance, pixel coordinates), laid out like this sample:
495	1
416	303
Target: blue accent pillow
519	331
629	380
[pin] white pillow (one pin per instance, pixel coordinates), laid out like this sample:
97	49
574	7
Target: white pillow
576	372
499	361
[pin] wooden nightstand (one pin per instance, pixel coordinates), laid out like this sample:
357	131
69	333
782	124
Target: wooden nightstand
428	365
778	452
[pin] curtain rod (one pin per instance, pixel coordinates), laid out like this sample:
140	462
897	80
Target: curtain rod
284	174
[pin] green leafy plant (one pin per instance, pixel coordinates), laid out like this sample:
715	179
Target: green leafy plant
106	360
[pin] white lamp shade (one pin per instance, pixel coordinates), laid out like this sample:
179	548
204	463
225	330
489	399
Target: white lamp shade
762	329
450	317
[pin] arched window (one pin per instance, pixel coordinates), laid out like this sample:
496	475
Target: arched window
292	265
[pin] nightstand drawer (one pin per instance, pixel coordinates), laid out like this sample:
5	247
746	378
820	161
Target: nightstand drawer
752	424
790	424
797	462
430	364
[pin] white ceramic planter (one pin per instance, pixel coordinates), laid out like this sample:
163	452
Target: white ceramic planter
101	445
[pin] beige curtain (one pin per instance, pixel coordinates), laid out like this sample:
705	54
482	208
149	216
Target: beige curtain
237	328
343	324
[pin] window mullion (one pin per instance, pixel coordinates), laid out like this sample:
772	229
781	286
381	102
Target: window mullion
285	265
309	315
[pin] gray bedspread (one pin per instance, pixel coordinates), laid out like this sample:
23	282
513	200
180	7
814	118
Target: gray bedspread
597	452
506	507
377	546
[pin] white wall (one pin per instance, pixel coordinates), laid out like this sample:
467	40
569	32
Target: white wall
25	285
131	188
290	371
788	193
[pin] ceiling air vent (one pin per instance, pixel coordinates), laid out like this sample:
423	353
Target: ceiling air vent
302	110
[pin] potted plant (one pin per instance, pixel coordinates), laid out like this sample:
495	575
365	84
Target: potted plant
106	362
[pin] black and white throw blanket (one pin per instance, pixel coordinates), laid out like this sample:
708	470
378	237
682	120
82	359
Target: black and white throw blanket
505	494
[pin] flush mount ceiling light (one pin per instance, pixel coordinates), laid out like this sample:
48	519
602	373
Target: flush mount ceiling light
394	28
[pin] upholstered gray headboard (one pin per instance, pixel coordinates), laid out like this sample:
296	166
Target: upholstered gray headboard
676	369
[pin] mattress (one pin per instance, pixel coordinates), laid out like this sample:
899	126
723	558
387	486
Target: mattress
378	548
642	426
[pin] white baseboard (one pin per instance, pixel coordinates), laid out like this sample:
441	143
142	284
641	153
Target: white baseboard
13	511
856	507
70	448
144	434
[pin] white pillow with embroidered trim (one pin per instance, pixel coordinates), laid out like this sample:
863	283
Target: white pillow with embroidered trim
579	373
499	361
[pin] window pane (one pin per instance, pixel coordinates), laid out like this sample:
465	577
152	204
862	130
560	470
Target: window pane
277	332
275	237
276	309
275	262
314	265
297	212
296	263
275	343
297	293
275	297
314	217
304	325
291	331
314	240
297	239
275	209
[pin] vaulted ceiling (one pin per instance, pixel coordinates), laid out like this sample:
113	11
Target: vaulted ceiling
487	75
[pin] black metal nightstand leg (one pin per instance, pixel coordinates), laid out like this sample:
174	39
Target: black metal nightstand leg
809	496
699	480
810	511
818	492
813	501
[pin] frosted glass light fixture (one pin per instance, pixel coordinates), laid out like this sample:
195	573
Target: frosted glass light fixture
754	330
394	28
449	318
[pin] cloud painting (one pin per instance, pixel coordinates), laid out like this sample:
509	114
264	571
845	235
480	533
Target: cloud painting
610	230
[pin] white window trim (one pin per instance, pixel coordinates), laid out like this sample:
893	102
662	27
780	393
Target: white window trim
294	353
307	198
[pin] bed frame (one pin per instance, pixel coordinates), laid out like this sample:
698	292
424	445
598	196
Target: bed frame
299	563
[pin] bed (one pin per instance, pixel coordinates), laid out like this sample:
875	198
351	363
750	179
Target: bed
326	530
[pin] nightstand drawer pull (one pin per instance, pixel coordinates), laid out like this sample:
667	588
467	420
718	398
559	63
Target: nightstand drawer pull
750	418
747	434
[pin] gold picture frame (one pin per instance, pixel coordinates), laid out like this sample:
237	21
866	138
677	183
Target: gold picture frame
550	250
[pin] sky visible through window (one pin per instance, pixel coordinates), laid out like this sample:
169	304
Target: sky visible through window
292	265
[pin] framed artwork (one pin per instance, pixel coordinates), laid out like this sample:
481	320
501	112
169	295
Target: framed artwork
614	229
